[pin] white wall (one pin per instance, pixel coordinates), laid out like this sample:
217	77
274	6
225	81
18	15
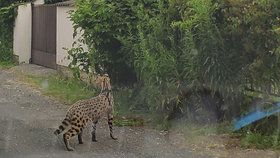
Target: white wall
22	33
64	35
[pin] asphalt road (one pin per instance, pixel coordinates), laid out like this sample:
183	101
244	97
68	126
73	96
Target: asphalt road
28	119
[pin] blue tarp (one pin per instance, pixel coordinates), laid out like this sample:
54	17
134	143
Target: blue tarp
255	116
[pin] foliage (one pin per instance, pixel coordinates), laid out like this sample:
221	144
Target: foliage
123	121
181	48
7	17
262	134
259	141
5	3
6	64
252	42
106	26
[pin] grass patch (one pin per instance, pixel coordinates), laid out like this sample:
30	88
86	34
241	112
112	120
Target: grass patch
68	91
7	64
262	134
123	121
260	141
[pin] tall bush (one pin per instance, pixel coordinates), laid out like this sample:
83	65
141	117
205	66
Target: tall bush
107	27
180	47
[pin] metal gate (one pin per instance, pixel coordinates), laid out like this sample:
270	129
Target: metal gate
44	35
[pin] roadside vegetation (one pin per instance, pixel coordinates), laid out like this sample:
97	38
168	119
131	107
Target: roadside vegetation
67	91
7	64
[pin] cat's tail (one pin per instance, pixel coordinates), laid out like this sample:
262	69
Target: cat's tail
63	126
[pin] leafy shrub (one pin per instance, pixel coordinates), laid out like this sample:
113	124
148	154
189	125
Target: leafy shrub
107	26
177	48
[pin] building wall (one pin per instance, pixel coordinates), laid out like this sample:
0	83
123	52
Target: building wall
22	33
64	36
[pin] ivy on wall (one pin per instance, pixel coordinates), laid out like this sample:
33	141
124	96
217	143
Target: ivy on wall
8	13
7	16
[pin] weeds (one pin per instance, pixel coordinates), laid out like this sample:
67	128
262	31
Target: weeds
68	91
260	141
123	121
263	134
6	64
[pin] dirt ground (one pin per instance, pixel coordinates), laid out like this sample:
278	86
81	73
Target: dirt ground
28	119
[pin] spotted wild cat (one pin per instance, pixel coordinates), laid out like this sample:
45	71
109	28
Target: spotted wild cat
83	112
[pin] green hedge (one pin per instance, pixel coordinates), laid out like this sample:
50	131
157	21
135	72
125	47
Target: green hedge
178	47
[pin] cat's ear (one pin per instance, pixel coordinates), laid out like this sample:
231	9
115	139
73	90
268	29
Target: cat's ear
104	84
